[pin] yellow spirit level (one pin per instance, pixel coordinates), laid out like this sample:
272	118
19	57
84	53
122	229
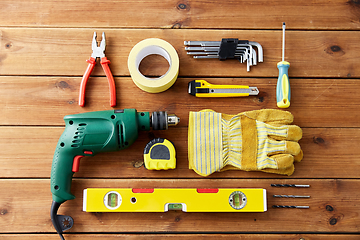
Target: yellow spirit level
165	199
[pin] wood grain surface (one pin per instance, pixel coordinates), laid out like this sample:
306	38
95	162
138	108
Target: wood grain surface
183	236
43	48
333	15
333	208
63	51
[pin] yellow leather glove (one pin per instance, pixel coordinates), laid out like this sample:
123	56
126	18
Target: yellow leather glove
260	140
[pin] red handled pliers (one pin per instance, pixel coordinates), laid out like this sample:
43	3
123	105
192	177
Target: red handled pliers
98	52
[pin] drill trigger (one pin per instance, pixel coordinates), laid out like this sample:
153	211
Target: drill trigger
76	163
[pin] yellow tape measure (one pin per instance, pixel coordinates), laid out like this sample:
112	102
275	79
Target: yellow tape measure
159	154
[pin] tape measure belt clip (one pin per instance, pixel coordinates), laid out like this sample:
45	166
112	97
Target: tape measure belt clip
159	154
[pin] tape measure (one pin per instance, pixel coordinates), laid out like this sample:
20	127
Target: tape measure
159	154
165	199
148	47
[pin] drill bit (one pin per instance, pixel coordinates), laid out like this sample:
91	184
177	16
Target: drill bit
286	206
290	185
290	196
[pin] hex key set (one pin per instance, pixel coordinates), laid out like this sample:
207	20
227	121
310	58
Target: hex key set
227	48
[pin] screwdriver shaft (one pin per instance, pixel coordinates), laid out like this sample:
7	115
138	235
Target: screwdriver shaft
283	43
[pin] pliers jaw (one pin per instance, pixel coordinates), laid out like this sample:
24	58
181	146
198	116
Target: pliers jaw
98	51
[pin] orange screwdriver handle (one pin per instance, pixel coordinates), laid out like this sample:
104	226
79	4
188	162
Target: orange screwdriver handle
85	79
105	65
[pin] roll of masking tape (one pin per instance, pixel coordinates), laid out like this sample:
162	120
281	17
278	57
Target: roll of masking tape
148	47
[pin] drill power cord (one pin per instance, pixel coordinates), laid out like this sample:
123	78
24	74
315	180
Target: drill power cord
60	220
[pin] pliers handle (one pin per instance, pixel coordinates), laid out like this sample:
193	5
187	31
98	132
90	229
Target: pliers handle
105	65
98	52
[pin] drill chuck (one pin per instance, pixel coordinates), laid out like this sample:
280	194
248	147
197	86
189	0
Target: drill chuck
161	120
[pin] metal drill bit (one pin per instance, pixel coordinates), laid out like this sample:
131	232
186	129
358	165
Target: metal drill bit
287	206
290	196
290	185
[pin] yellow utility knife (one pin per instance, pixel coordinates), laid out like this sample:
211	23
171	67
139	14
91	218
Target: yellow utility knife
201	88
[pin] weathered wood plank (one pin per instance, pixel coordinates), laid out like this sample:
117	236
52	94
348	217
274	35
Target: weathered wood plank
57	51
181	236
333	208
27	152
46	100
43	48
339	14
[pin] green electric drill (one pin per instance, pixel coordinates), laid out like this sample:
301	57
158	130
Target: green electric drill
87	134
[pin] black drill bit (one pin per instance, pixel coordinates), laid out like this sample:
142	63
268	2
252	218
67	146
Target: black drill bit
290	185
286	206
290	196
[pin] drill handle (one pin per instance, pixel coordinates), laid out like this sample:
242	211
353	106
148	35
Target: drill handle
62	173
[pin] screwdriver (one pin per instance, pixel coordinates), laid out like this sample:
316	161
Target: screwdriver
283	83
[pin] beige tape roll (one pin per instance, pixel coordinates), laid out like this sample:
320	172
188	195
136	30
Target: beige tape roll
148	47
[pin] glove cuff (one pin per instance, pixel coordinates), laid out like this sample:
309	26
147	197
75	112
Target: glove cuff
250	143
205	142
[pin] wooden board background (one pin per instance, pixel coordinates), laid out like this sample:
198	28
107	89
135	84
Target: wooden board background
43	48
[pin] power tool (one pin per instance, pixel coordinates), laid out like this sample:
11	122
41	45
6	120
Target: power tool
87	134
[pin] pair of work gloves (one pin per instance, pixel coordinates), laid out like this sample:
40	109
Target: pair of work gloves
260	140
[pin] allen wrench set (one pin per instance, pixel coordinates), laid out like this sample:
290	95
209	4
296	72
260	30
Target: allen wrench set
227	48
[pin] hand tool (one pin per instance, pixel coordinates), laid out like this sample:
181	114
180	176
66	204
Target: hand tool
290	185
227	48
159	154
98	52
164	199
286	206
87	134
201	88
290	196
283	93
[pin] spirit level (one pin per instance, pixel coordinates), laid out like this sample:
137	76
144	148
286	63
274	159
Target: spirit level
165	199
